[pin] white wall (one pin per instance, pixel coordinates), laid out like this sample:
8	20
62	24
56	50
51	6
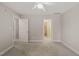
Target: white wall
6	27
57	27
36	27
70	26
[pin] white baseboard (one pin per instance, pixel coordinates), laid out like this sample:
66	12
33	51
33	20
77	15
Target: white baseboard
4	51
15	40
42	41
35	40
71	48
56	40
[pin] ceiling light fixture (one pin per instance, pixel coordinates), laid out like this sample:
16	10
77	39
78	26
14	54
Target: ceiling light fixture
41	5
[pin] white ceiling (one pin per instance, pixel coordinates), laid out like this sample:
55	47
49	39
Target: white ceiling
25	8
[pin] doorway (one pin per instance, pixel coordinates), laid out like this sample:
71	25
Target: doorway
23	30
47	30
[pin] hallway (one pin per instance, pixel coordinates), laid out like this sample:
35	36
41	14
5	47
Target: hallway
37	49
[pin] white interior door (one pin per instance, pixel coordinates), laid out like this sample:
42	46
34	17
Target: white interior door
23	30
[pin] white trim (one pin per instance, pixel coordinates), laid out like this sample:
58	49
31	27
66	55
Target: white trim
4	51
19	41
56	40
71	48
15	40
35	40
42	40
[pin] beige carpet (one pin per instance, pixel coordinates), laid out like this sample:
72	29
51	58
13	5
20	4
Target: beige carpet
39	49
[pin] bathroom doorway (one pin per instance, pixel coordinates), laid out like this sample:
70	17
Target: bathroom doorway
47	30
